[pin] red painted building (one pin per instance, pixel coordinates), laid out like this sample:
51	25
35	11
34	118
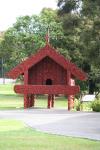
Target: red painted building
47	72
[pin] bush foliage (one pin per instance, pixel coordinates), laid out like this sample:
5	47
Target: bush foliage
96	105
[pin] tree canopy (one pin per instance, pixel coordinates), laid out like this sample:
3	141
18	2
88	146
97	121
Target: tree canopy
81	20
27	35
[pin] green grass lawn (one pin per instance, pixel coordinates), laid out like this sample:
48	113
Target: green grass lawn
7	89
14	135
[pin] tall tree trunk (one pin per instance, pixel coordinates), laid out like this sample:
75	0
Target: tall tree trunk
91	86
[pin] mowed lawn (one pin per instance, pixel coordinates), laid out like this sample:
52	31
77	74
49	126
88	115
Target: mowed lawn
11	100
15	135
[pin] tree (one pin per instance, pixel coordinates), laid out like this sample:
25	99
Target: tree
28	34
1	56
81	23
68	6
90	37
70	17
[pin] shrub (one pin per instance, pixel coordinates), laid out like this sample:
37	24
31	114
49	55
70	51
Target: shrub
77	105
96	105
82	106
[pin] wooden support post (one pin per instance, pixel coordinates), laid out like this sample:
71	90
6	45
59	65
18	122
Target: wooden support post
33	100
49	101
26	99
69	83
52	101
29	101
72	96
70	102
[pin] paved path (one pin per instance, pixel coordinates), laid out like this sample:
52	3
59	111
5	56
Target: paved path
61	122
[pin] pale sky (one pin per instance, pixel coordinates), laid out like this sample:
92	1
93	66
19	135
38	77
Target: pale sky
11	9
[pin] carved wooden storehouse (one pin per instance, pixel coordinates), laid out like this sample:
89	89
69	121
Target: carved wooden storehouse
47	72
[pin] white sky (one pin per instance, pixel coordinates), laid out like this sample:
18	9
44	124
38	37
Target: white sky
11	9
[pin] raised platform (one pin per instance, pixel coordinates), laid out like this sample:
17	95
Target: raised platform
46	89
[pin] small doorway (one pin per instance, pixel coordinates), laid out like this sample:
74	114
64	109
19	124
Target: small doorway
48	82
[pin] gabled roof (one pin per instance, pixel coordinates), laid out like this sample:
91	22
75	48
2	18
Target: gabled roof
54	55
